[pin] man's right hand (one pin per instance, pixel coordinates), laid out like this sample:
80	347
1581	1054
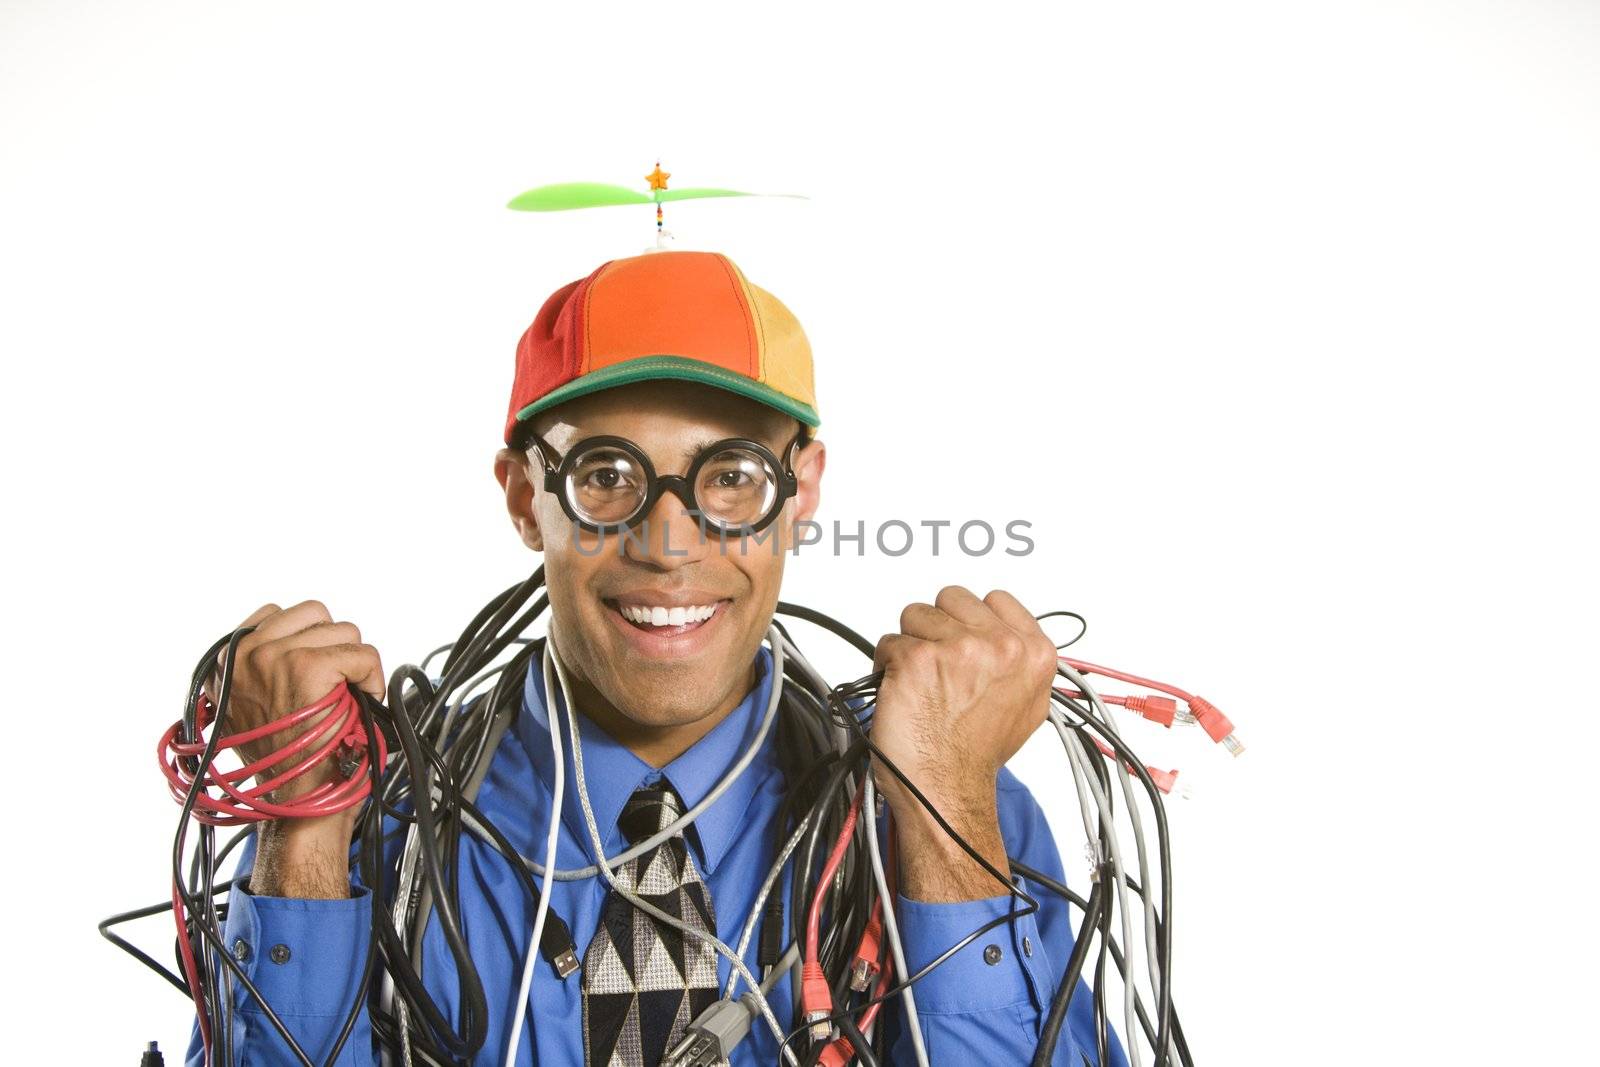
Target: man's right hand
293	658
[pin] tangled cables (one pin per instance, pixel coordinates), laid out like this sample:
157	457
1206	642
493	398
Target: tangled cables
412	767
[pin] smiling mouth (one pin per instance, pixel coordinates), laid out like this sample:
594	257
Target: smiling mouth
663	621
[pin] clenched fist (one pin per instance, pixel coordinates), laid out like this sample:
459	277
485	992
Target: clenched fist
965	682
292	659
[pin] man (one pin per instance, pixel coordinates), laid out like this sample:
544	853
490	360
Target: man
675	354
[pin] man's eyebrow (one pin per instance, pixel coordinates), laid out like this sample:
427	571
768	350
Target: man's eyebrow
694	452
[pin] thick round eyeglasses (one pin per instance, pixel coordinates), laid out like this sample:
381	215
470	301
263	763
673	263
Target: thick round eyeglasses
607	484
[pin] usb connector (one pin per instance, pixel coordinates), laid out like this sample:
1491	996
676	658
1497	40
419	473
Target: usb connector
711	1038
556	946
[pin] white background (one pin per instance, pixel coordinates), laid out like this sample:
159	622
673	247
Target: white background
1277	319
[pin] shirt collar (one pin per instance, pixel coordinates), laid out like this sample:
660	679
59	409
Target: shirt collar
612	773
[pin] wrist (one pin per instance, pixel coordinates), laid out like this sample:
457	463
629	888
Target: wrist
306	858
934	866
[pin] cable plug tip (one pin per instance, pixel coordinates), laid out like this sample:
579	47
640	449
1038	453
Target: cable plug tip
816	1001
862	972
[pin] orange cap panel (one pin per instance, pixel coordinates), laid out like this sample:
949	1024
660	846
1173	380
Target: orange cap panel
693	306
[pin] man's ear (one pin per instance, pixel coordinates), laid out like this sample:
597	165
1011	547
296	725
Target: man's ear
511	471
808	465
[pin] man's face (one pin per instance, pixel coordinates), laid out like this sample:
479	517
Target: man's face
680	673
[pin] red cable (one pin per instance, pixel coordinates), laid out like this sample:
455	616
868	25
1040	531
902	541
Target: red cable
342	731
1210	718
816	997
840	1050
1123	676
829	869
191	969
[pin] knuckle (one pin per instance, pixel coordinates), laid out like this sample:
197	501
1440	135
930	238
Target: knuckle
343	632
920	655
909	613
318	609
970	649
949	592
996	599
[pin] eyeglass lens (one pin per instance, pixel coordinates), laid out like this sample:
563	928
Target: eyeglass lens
733	487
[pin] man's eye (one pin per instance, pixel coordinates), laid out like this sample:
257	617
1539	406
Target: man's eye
604	480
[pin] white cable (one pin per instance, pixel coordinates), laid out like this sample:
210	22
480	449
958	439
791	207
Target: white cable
632	897
891	927
552	834
1076	753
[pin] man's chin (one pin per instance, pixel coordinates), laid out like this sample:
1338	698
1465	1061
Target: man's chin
666	708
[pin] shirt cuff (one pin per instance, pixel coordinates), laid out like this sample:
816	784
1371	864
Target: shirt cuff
996	970
305	956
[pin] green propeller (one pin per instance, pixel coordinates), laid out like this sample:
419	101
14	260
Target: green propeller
566	196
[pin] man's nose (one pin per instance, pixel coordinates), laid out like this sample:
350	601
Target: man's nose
668	536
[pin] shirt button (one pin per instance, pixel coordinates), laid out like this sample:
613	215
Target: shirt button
279	954
991	955
241	950
1027	947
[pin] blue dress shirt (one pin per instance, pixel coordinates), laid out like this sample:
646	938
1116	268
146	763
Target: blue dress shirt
983	1005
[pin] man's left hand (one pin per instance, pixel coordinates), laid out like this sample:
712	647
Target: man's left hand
966	682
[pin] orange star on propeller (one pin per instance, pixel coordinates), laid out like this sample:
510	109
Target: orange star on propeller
657	178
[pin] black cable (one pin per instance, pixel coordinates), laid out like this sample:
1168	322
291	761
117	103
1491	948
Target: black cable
1032	874
862	1047
1050	1033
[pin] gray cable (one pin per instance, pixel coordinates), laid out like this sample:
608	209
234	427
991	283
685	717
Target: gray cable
1076	753
761	898
1147	894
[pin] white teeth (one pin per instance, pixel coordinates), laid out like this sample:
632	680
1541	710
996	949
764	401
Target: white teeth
663	616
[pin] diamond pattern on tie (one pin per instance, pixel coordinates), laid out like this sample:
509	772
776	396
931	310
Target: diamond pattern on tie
645	981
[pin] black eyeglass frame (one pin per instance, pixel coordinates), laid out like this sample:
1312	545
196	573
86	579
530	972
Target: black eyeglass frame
556	473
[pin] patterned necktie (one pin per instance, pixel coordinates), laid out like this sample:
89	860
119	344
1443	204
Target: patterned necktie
645	981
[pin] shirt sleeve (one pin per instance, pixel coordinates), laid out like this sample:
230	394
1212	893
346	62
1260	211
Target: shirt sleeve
988	1001
306	958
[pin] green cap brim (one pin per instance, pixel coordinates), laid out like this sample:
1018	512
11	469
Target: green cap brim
675	368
